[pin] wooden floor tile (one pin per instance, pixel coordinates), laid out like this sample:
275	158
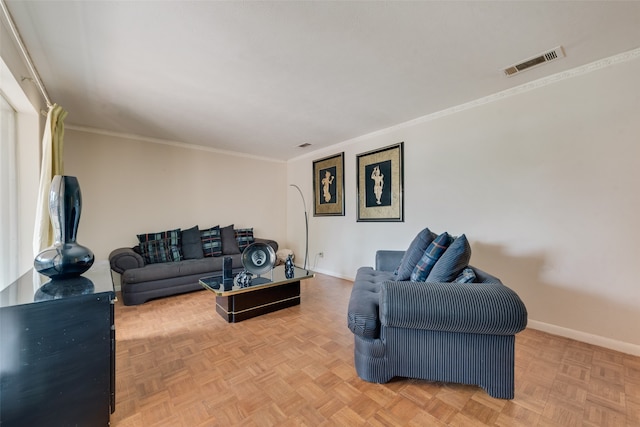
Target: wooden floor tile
178	363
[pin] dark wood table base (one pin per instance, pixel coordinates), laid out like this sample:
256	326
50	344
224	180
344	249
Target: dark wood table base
245	305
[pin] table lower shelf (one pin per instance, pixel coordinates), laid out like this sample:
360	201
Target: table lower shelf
242	306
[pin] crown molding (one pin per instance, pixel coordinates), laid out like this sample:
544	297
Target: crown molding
529	86
498	96
514	91
168	142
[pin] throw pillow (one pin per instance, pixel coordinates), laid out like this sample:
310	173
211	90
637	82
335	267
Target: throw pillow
211	242
174	237
413	254
430	257
191	243
157	251
452	261
229	242
466	276
244	237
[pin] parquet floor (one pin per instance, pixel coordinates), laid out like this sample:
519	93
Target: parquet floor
180	364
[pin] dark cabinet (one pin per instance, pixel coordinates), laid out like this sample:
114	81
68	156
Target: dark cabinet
57	351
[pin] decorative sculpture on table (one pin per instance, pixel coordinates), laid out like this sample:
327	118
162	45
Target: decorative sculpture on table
66	258
243	279
258	258
288	267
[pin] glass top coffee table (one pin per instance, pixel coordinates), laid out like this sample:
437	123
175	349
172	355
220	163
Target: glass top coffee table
267	293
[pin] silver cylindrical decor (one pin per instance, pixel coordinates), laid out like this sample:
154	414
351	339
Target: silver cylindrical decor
66	258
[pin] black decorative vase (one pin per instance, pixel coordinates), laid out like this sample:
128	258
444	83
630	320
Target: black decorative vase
288	267
65	258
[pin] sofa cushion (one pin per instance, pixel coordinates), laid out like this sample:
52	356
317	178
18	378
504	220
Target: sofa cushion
244	237
191	243
229	242
211	241
155	274
431	255
452	261
161	250
413	254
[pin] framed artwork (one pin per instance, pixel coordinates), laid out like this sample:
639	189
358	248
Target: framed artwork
380	184
328	186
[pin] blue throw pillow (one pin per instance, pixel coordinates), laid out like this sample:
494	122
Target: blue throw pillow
413	254
452	261
431	255
466	276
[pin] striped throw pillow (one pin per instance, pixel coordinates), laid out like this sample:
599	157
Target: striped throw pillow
430	257
452	261
413	254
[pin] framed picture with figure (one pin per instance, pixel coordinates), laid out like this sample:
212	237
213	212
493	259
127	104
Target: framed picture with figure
380	184
328	186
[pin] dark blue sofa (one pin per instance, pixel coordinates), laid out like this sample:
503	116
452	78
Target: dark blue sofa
445	332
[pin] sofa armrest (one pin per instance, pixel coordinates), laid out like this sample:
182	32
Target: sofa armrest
388	260
122	259
480	308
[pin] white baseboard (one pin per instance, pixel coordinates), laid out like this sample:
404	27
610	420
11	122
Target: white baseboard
332	274
609	343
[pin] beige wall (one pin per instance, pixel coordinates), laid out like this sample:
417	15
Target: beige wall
543	182
131	186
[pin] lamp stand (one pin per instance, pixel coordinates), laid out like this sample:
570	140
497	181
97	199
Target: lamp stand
306	224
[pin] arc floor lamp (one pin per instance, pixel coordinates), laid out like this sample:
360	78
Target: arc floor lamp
306	225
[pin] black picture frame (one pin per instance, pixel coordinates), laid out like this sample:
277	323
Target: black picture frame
380	184
328	186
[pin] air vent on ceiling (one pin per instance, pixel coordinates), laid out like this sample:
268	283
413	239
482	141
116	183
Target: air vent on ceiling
543	58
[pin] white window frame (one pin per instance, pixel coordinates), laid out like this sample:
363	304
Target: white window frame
23	196
8	193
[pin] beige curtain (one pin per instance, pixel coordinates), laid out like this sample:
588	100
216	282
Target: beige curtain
52	164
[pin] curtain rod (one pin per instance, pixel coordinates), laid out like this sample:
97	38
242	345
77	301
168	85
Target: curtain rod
25	53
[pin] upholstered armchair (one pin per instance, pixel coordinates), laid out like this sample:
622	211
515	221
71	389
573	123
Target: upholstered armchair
444	332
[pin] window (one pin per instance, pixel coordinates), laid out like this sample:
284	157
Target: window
8	193
19	176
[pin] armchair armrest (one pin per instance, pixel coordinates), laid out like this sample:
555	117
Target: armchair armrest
480	308
124	259
388	260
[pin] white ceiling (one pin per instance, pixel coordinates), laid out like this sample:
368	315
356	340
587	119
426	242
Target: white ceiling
264	77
